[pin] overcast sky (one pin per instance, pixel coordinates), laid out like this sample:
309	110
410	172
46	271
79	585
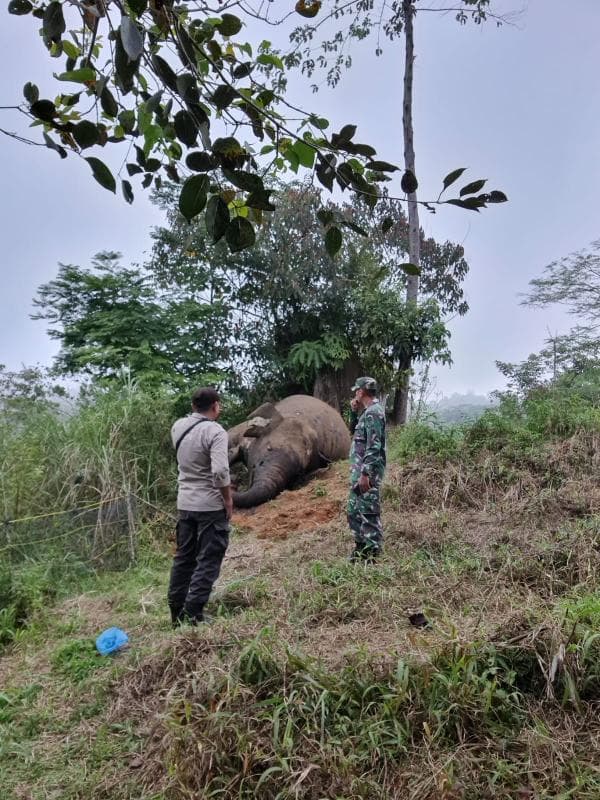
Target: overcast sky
518	105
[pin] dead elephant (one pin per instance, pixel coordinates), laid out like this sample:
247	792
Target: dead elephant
281	442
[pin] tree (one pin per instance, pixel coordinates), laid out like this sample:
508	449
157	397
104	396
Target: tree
110	318
394	20
159	80
574	282
300	317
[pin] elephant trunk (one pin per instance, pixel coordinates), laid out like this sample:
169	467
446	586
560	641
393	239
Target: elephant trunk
271	476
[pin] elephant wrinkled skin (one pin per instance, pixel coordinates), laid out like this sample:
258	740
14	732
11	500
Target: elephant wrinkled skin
281	442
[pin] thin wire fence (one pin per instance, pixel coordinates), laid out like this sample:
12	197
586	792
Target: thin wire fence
101	535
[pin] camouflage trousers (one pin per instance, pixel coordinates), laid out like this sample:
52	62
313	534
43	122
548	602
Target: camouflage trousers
364	519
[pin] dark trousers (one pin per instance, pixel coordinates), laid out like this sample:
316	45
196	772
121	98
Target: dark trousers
202	539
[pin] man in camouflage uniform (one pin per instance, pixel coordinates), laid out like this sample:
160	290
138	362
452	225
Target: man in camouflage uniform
367	467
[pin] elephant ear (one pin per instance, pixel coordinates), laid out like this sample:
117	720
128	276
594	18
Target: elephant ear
257	427
266	411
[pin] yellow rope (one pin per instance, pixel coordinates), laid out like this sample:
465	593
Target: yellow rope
43	540
66	511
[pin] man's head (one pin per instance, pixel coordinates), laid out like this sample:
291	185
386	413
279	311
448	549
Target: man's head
365	389
206	401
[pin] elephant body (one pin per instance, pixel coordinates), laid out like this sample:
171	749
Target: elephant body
281	441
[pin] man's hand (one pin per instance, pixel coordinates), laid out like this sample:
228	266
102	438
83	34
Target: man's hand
355	405
364	483
227	496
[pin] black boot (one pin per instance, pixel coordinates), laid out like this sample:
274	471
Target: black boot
176	616
364	554
194	617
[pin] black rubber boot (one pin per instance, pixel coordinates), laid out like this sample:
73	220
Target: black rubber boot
195	617
176	616
364	555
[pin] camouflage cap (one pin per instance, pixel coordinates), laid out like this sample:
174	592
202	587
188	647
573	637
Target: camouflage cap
365	383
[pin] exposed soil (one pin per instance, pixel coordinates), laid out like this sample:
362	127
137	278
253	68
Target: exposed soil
306	508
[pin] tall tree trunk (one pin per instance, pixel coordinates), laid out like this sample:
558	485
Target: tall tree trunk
333	386
412	286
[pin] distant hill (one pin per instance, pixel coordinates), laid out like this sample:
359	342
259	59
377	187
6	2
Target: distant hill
459	408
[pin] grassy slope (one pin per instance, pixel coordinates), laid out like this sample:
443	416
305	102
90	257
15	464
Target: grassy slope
311	683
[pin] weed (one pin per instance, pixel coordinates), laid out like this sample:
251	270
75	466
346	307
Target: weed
77	659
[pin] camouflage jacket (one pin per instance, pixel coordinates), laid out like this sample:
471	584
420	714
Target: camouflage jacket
367	455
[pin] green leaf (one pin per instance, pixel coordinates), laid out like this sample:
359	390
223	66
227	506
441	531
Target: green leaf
333	240
325	216
243	70
387	224
127	191
83	75
188	88
139	6
153	102
381	166
185	128
53	22
70	49
192	197
44	110
410	269
108	103
127	120
124	68
164	72
497	196
223	96
229	25
134	169
471	204
102	174
86	134
246	181
453	176
131	36
200	162
19	7
305	153
347	132
31	93
217	217
354	227
270	60
239	234
260	201
319	122
472	188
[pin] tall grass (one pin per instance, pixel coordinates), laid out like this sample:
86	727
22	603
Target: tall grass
515	428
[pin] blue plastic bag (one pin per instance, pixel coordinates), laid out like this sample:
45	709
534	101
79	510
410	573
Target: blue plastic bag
111	640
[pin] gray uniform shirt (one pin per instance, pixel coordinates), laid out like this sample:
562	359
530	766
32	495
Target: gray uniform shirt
203	464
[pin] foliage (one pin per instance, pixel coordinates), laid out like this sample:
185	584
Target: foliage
515	427
574	282
110	319
422	439
164	79
294	311
113	441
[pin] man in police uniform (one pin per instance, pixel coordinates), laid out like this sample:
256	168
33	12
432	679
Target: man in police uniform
204	502
367	467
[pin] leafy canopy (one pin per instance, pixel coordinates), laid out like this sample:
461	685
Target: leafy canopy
176	92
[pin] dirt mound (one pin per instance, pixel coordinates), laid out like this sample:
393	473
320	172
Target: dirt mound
314	504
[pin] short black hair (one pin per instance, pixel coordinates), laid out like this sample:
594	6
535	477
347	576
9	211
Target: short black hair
370	392
204	397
